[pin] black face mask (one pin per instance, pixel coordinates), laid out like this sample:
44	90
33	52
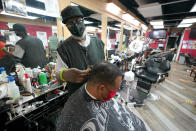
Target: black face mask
18	33
77	29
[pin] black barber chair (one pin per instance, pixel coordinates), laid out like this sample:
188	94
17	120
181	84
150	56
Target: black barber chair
189	61
154	68
154	71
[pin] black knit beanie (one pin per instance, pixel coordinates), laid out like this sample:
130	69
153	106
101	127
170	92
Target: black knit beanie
70	12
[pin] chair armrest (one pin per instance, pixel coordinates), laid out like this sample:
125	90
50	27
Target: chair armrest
162	73
137	67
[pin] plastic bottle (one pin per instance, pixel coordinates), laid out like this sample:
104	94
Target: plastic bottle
43	79
27	83
3	75
20	72
13	90
3	91
29	71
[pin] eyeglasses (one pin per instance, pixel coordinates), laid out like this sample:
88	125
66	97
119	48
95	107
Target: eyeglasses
77	21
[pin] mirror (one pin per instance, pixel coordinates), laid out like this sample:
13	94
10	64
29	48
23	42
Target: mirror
92	21
113	36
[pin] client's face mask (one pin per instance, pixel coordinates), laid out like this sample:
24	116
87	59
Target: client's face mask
76	27
111	95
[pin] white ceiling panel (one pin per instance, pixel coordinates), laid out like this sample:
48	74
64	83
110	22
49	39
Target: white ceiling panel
150	11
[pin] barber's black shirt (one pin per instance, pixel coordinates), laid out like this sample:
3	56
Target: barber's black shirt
77	56
34	53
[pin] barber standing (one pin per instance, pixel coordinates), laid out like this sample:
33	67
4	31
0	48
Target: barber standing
77	52
29	49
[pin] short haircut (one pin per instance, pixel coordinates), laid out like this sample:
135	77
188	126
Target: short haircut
2	38
104	72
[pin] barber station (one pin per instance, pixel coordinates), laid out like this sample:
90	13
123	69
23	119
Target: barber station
104	65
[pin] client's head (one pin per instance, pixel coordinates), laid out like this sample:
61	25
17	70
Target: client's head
104	81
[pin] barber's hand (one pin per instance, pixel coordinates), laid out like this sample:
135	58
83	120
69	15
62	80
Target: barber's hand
75	75
172	49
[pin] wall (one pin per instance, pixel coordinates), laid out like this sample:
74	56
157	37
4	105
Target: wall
187	50
32	29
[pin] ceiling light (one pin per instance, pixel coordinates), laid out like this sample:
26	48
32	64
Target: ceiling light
188	21
184	25
20	16
113	28
72	4
127	27
130	19
41	1
135	22
112	8
193	9
158	27
118	25
91	28
99	30
144	27
87	22
127	17
156	22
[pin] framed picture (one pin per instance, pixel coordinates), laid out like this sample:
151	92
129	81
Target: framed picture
15	7
43	37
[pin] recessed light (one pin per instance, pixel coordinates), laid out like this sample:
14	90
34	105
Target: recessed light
156	22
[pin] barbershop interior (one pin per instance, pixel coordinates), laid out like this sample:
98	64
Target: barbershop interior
98	65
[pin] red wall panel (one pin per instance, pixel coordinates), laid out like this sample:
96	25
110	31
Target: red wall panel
190	51
3	25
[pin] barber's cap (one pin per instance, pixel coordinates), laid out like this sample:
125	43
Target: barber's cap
19	27
70	12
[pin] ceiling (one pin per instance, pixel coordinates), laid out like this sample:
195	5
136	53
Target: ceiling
172	12
89	15
95	18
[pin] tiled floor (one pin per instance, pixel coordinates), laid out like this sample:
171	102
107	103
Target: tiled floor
171	112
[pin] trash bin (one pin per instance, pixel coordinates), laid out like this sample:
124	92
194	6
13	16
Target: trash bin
181	58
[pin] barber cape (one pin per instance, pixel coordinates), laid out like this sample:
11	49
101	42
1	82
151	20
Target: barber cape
82	113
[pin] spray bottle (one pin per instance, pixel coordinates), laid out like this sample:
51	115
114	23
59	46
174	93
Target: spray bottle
27	84
13	91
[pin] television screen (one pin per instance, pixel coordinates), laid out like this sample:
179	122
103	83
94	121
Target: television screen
112	34
192	34
158	34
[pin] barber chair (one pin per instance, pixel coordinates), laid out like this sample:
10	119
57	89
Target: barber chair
154	71
190	61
